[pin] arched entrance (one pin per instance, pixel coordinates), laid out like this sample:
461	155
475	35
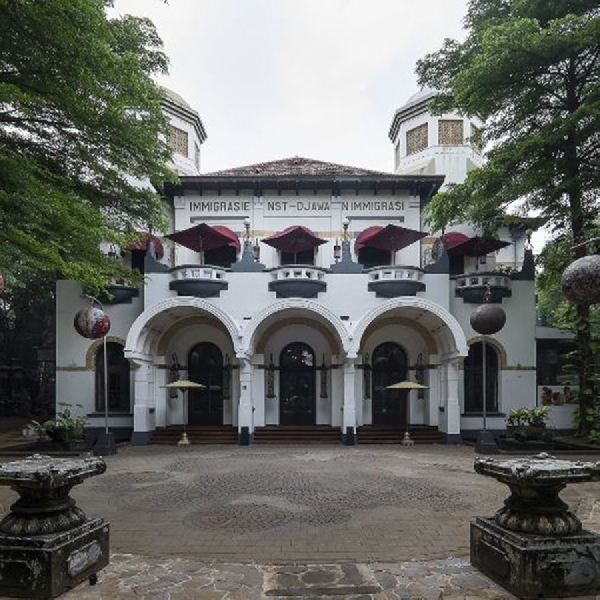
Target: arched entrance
205	366
297	385
473	369
389	365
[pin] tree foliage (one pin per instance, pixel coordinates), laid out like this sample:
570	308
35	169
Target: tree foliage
80	122
531	70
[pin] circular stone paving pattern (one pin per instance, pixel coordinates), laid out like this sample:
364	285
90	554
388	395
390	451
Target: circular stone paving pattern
252	517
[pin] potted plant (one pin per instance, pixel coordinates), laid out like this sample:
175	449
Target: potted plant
65	429
528	424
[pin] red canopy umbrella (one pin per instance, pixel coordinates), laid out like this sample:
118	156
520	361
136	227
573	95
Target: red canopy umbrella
203	237
294	239
142	243
477	246
391	237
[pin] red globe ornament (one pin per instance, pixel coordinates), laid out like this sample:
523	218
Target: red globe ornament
488	319
580	281
92	323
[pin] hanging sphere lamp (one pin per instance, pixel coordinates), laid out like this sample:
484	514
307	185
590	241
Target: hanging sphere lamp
92	323
580	281
488	319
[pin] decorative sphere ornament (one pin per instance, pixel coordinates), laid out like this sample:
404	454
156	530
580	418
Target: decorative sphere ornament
488	319
581	280
92	323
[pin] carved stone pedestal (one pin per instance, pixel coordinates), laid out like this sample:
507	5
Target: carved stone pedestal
47	566
536	566
534	546
47	544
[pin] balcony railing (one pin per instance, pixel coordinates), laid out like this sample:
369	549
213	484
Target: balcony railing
202	281
392	281
297	281
471	287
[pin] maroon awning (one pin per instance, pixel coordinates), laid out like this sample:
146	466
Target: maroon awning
203	237
294	239
142	243
453	238
477	246
391	238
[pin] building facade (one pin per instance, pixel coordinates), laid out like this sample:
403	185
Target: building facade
296	291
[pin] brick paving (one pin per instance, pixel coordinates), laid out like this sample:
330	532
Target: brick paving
227	522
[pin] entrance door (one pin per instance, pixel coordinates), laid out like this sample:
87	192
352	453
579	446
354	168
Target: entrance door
205	366
389	366
297	385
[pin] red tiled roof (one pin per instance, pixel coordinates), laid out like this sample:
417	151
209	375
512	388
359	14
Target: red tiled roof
296	166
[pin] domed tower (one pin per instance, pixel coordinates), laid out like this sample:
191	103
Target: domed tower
428	144
186	133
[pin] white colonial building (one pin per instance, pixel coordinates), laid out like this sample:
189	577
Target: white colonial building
295	291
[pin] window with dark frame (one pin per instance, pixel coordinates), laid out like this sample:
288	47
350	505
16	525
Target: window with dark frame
119	390
473	378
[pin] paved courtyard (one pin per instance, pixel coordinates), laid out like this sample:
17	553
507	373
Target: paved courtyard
391	515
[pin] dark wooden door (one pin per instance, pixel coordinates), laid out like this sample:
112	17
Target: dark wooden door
297	385
205	366
389	366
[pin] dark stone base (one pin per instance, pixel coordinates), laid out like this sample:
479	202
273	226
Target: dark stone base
244	436
453	438
349	438
486	443
534	566
45	566
141	438
105	446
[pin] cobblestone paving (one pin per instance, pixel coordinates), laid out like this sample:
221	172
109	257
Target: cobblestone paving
179	578
296	504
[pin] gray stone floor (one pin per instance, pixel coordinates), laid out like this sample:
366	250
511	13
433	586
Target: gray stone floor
182	578
227	522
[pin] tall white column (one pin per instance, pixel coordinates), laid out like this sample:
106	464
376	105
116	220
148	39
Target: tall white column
160	393
245	416
144	421
452	402
349	419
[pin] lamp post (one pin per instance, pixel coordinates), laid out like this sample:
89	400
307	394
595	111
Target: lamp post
486	319
94	323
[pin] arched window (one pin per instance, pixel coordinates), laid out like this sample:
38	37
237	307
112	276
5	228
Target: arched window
297	385
389	365
119	396
474	378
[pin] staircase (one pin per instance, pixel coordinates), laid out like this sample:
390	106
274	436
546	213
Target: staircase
383	434
197	434
298	434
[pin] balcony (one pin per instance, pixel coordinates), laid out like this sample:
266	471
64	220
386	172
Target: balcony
392	281
471	287
119	293
297	281
201	281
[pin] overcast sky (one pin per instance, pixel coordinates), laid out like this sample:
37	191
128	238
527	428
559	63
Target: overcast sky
313	78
